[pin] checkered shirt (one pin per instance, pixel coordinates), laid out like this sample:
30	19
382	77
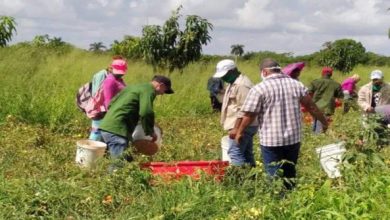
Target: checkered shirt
276	100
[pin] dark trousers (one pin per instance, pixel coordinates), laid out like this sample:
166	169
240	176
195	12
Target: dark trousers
215	104
281	157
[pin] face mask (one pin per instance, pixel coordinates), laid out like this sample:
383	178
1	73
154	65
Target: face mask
229	78
376	87
262	76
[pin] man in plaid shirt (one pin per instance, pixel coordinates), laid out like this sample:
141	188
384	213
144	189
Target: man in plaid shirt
276	103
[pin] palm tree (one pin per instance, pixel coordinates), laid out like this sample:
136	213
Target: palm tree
56	42
7	29
97	47
237	50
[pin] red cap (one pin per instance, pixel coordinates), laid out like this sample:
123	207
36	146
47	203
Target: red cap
327	71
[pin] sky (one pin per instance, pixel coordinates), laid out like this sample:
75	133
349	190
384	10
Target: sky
299	27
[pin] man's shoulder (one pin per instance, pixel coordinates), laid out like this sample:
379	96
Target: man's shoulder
244	81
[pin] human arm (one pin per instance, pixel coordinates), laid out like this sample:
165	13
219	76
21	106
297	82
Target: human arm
241	94
109	91
363	101
339	92
246	120
146	112
312	108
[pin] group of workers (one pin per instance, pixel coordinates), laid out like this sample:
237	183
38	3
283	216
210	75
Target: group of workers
272	108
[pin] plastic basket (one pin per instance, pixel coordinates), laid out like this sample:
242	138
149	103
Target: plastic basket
194	169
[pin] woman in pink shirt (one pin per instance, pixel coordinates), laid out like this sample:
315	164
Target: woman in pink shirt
111	86
114	83
349	89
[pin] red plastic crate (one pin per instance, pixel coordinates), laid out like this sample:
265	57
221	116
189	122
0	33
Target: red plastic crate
175	170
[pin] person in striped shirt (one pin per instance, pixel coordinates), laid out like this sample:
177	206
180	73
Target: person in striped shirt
276	103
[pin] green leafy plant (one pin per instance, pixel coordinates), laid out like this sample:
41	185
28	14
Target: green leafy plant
129	47
342	55
97	47
170	48
7	29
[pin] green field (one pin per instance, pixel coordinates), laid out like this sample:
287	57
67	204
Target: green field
40	124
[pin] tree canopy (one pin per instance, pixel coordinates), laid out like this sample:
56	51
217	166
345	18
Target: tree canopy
97	47
7	29
168	47
129	47
343	54
237	49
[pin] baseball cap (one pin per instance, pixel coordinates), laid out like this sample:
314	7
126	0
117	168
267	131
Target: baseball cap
327	70
376	74
223	67
166	81
119	66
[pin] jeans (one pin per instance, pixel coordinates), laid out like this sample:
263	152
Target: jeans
242	153
116	144
95	132
273	156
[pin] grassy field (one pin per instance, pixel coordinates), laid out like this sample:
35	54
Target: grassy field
39	125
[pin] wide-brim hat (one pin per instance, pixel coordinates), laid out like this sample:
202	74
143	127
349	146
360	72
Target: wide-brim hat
293	66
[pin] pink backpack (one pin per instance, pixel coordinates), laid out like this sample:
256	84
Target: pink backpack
92	105
95	108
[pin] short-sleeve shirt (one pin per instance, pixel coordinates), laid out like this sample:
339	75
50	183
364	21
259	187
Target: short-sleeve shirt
276	100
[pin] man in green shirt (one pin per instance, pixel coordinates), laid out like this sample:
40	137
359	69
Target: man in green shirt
324	92
133	104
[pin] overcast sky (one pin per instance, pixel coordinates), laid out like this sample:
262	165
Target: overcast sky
297	26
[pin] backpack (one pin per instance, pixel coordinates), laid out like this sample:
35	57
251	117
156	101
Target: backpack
91	102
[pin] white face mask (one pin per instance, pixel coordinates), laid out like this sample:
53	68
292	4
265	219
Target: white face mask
262	76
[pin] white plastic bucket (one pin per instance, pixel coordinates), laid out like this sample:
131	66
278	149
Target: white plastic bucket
225	148
330	158
143	143
88	151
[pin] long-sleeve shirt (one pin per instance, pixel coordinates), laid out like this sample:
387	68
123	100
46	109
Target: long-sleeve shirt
349	85
111	87
367	99
233	100
324	91
134	103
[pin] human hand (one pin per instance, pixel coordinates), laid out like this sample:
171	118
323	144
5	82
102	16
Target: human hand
370	110
232	133
154	137
238	137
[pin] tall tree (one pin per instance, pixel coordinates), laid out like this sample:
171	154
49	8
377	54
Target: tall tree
56	42
343	55
129	47
7	29
237	50
168	47
97	47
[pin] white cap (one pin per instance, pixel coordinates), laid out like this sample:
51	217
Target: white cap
223	67
376	74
